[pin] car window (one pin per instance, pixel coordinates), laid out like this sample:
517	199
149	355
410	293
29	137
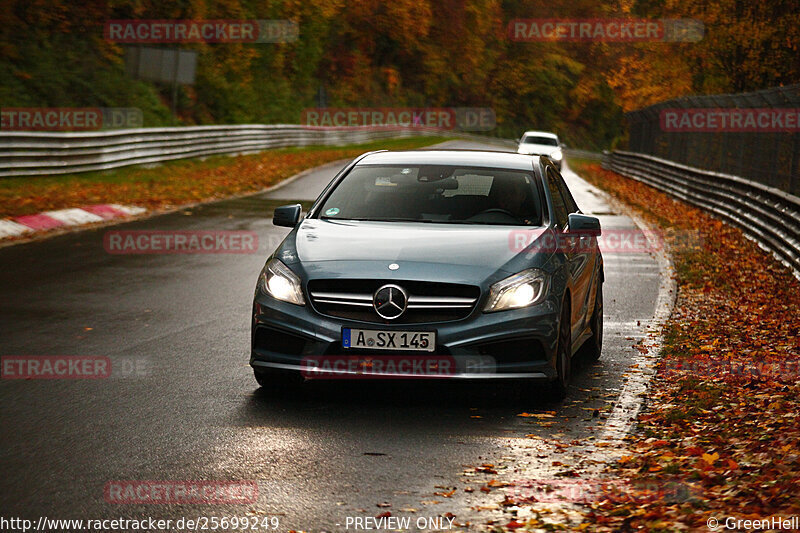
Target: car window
547	141
436	194
559	206
569	202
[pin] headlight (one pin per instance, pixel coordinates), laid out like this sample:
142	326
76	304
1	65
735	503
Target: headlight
281	283
529	287
557	155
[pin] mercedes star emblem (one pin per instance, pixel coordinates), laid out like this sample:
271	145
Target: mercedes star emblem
390	301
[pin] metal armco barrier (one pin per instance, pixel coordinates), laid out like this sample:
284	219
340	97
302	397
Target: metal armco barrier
26	153
583	154
769	215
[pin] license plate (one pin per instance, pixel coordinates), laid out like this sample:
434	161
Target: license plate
375	339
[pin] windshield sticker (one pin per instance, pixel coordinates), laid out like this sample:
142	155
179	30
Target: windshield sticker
333	211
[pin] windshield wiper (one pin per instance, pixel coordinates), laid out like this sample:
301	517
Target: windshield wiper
423	221
382	219
470	222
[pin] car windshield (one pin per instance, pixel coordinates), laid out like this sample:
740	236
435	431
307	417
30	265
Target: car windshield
547	141
435	194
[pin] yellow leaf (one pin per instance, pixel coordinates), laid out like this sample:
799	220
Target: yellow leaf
710	458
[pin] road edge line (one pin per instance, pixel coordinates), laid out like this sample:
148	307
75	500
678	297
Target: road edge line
622	419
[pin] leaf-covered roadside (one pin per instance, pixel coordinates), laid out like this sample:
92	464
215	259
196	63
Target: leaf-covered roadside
722	419
177	183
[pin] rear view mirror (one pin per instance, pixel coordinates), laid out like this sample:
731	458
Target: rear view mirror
449	184
584	224
287	215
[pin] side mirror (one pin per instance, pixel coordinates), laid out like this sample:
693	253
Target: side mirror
584	224
562	145
287	215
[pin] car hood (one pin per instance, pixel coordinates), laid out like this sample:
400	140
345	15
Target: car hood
355	249
538	149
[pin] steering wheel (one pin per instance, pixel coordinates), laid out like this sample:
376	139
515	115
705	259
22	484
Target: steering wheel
496	210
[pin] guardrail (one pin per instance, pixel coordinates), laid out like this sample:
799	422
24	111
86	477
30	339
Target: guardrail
29	153
25	153
583	154
768	215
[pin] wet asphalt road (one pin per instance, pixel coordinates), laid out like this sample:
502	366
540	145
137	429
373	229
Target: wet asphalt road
193	412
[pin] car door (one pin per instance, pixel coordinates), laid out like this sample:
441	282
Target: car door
584	258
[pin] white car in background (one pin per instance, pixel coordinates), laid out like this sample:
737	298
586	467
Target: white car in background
541	143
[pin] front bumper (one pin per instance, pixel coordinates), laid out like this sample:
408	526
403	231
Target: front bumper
513	344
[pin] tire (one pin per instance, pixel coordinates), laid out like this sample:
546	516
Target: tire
594	346
560	386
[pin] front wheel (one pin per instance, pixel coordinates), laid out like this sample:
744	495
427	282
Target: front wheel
558	388
594	346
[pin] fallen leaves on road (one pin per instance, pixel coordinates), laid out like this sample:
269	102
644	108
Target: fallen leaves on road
486	468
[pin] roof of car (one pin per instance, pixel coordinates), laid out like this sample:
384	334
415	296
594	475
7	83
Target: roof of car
471	158
542	133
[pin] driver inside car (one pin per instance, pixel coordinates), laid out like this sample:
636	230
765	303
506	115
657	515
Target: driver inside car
512	195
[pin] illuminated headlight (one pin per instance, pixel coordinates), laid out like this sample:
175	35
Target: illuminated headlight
557	155
529	287
281	283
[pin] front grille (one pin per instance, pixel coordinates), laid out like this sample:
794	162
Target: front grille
427	301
